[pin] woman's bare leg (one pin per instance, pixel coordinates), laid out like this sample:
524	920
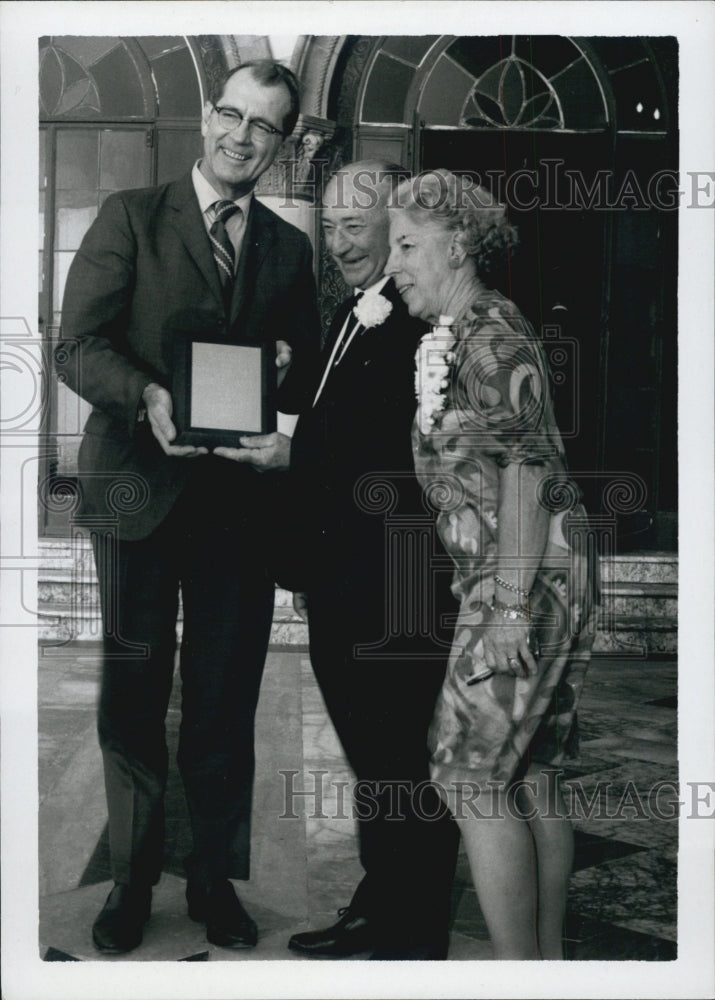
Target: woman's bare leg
553	839
503	866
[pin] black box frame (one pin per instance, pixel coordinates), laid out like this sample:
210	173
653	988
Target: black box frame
214	437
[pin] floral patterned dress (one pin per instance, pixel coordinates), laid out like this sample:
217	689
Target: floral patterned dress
491	407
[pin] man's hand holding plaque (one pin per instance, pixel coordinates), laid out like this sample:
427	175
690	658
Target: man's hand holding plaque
223	393
265	452
159	409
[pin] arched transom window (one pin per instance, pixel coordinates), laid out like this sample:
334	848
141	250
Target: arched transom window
93	77
519	82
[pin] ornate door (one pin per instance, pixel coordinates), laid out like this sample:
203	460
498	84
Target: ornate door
579	137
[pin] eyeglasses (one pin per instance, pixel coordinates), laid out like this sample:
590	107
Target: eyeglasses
230	119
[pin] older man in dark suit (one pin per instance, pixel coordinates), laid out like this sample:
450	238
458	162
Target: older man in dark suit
376	602
199	257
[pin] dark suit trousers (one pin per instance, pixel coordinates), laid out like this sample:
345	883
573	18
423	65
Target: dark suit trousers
216	557
381	710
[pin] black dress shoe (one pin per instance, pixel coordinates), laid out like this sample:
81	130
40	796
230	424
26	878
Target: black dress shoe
352	933
217	905
118	928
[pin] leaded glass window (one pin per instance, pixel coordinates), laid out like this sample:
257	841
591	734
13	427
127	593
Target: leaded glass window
520	82
89	77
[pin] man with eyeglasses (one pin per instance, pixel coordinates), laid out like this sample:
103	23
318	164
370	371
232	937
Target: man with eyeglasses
199	256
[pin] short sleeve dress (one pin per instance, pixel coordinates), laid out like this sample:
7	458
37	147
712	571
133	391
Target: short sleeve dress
491	407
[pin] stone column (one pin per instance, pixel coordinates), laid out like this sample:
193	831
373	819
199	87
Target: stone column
293	184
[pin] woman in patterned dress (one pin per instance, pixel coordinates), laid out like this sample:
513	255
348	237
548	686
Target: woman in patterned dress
490	457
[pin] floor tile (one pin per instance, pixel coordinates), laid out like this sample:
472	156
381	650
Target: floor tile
638	891
591	850
622	900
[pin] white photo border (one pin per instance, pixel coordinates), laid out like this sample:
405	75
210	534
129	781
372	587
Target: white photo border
25	975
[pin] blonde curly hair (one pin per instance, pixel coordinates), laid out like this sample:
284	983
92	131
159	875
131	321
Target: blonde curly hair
467	208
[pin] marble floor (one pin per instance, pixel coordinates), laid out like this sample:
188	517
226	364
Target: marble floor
622	899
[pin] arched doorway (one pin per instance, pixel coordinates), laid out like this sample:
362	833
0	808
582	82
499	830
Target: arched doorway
579	137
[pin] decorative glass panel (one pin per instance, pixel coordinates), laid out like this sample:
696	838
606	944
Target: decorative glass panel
41	240
86	157
580	97
411	48
177	85
177	153
80	170
63	259
123	158
42	218
157	45
42	304
90	78
638	98
551	53
119	86
77	164
50	81
512	95
444	96
476	55
86	78
615	53
65	87
380	147
386	91
75	210
86	49
43	160
521	82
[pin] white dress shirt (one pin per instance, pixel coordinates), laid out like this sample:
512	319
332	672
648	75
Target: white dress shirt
207	197
339	349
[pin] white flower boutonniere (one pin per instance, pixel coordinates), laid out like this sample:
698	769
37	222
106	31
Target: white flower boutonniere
372	310
433	361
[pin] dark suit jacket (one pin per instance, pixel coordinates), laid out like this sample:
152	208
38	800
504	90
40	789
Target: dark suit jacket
361	425
143	275
378	613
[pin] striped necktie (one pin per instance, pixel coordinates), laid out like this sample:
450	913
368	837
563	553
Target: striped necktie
221	245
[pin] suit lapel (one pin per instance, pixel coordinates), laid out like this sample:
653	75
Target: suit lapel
361	349
398	325
189	224
365	341
335	328
258	240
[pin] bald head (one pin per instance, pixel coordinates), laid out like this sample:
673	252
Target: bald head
355	220
364	184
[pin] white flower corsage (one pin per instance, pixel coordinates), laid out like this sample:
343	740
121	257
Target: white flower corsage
372	310
434	357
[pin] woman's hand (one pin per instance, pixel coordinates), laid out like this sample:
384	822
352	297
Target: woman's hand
506	647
